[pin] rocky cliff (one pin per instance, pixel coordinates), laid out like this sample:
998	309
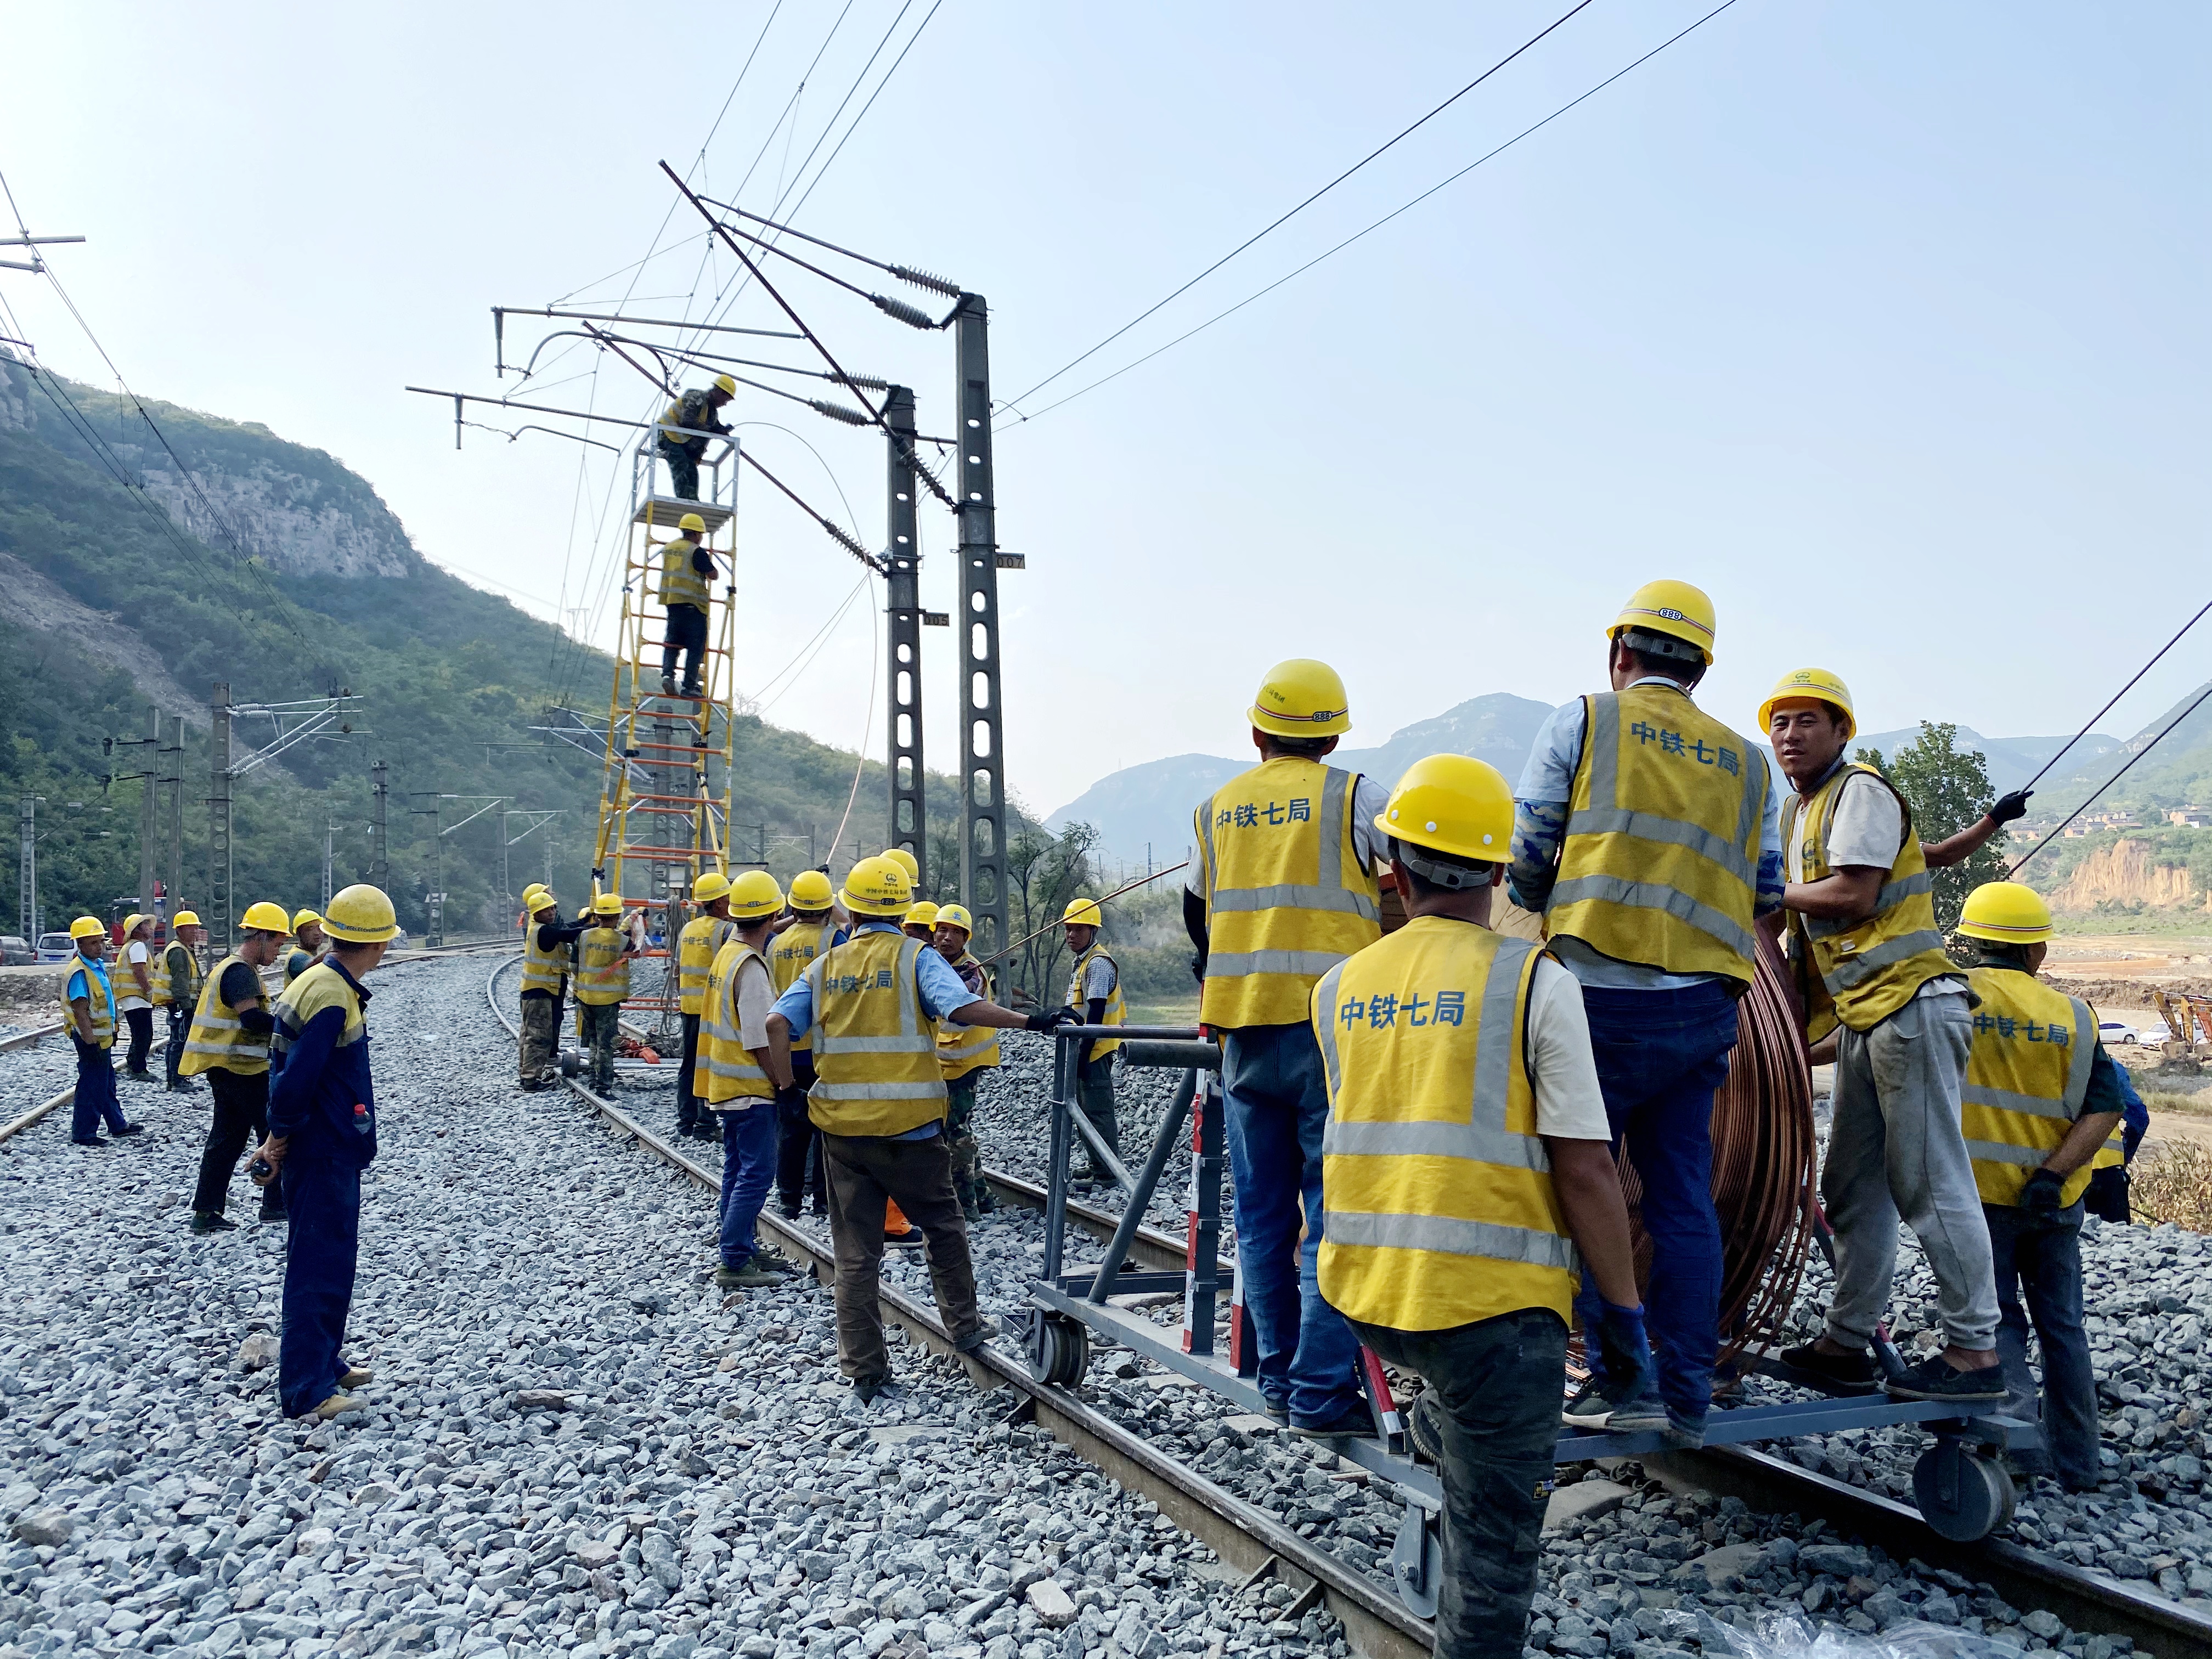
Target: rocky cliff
2128	872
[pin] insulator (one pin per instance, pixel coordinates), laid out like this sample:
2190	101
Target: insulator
839	412
867	381
924	279
906	313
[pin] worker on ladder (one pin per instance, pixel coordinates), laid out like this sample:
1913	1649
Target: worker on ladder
177	991
549	952
963	1052
2042	1101
1284	888
1648	836
734	1077
684	429
696	947
687	575
1094	997
602	954
811	932
1466	1170
229	1043
308	945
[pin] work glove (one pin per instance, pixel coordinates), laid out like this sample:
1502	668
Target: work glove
1626	1352
1198	968
2043	1192
1049	1023
2010	806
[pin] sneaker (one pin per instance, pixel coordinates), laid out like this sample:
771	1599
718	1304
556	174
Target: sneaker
692	691
668	685
976	1338
129	1129
1277	1409
775	1261
750	1277
337	1404
1682	1433
1847	1373
789	1210
1586	1408
355	1377
908	1240
1425	1427
1641	1415
129	1076
212	1223
94	1141
1356	1424
1937	1378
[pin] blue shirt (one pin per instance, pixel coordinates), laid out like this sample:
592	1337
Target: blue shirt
76	984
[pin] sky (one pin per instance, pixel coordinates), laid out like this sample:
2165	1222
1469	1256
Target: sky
1883	323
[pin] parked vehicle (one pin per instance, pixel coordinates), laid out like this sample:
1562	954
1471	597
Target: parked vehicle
15	951
55	947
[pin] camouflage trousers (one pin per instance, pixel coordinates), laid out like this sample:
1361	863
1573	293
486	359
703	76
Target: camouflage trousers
960	1139
682	471
540	1042
601	1024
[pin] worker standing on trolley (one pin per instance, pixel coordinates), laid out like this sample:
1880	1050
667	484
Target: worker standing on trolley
1468	1172
88	1000
307	947
683	428
1649	835
732	1075
229	1043
1284	888
811	932
177	991
963	1053
687	576
1094	997
696	946
548	951
2042	1101
602	954
872	1006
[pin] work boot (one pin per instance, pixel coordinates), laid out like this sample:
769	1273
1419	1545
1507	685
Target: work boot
865	1388
668	685
908	1240
1356	1424
130	1076
750	1277
971	1210
790	1208
337	1404
692	689
353	1376
775	1261
984	1200
976	1338
129	1129
205	1222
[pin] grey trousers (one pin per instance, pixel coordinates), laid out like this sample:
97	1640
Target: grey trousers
1897	1149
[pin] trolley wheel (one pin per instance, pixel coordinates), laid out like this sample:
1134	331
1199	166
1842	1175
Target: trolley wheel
1417	1561
1060	1351
1963	1495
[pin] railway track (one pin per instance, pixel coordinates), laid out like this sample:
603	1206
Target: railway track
1377	1624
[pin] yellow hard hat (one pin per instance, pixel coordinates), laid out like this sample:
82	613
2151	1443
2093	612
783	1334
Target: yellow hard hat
755	894
86	927
359	914
1082	913
1677	610
709	887
186	919
1819	684
809	891
878	887
1455	805
955	916
607	905
265	917
300	919
921	914
723	383
690	522
2007	912
131	923
1300	698
905	860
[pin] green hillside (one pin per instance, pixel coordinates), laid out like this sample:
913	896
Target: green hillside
2178	773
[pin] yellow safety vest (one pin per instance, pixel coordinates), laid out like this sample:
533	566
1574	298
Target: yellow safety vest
1437	1189
99	1002
696	947
795	947
170	953
216	1041
1661	861
541	970
679	583
1117	1012
1287	898
1858	973
296	962
2027	1077
875	1053
603	972
726	1070
964	1048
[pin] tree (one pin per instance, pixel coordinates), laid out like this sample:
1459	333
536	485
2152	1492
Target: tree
1046	871
1948	788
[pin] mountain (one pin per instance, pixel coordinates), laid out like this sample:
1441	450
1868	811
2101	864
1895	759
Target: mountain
2177	773
2011	761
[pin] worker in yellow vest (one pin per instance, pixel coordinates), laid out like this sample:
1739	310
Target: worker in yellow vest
1284	886
2043	1100
177	990
228	1043
88	1000
134	993
548	955
872	1006
1868	959
734	1077
1647	835
1468	1172
1094	998
696	946
308	947
811	930
687	576
964	1053
602	954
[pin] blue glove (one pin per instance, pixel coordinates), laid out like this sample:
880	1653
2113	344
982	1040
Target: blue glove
1626	1352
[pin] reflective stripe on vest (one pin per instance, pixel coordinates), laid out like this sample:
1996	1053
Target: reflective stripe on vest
794	948
1287	899
2027	1074
964	1048
602	971
696	947
542	969
679	583
726	1069
1661	861
99	1002
175	949
1438	1207
1866	970
1117	1012
875	1056
216	1040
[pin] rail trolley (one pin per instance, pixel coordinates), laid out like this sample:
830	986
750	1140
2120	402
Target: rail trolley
1961	1490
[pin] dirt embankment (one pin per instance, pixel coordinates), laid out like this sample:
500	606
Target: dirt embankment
2128	872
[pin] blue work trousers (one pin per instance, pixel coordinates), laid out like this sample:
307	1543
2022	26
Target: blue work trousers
2040	1253
323	1201
1278	1106
748	1143
95	1094
1660	1057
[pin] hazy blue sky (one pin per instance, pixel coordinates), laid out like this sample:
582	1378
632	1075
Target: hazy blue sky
1885	323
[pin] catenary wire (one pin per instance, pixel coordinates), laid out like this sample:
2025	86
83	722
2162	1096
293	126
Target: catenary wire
2109	782
2117	695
